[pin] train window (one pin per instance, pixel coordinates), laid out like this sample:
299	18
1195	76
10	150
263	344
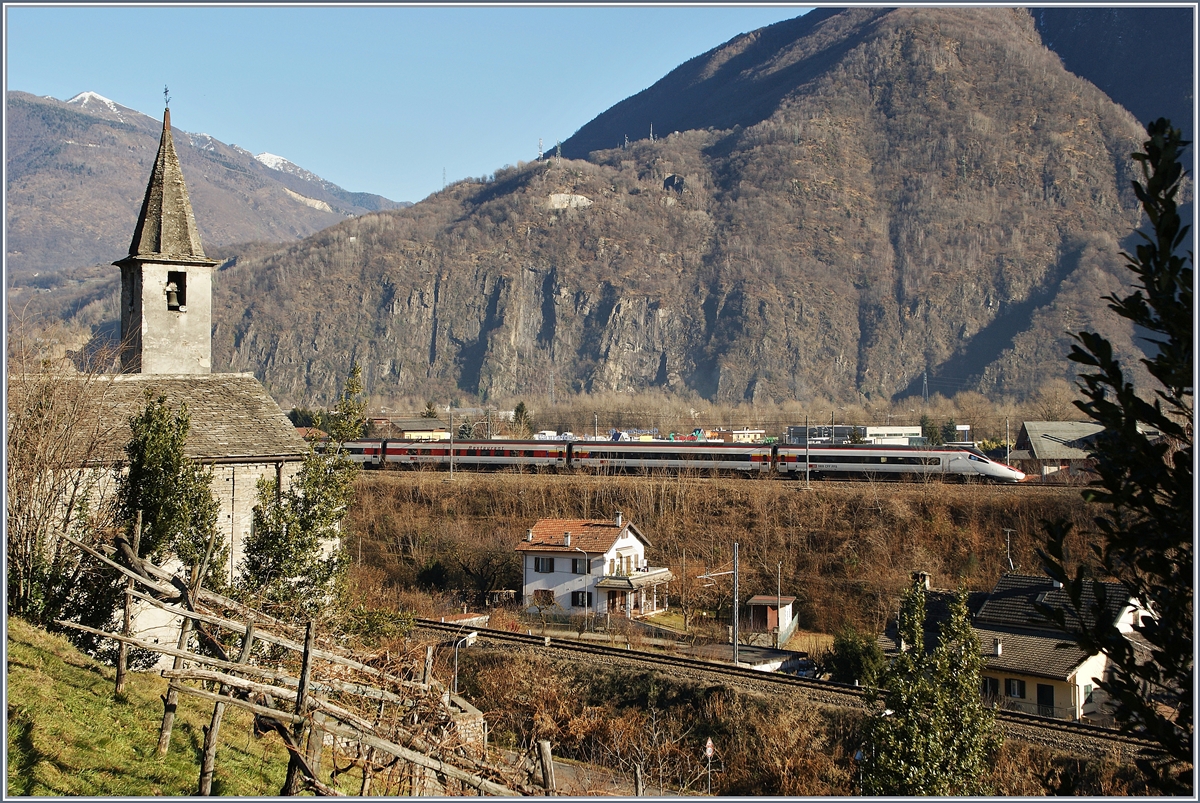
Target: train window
976	459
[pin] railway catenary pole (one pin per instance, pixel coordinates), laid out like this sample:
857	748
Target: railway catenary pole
807	486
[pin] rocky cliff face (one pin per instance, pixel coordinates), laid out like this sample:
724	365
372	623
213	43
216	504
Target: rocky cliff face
929	190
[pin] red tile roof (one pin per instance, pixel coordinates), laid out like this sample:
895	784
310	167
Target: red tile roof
592	536
769	599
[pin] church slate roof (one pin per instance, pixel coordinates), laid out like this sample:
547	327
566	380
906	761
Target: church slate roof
232	416
166	228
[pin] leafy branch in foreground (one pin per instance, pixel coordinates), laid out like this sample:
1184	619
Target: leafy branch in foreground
1145	483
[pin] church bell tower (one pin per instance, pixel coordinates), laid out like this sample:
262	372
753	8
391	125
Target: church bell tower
166	281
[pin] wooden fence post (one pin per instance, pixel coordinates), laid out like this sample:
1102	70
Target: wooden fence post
291	784
171	700
123	649
547	761
208	762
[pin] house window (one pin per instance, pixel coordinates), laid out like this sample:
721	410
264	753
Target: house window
581	599
543	565
581	566
543	597
177	290
989	688
1014	688
1087	694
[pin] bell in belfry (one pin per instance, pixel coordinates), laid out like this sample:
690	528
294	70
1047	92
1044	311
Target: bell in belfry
172	296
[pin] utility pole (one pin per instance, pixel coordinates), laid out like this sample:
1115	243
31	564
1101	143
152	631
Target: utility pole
595	425
925	386
683	593
1008	546
1007	444
778	601
451	411
735	603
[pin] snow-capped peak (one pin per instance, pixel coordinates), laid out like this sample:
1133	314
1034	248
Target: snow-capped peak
84	98
275	162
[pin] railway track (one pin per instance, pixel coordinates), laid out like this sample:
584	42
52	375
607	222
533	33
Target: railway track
1072	737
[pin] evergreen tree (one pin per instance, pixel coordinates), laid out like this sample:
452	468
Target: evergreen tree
1145	486
931	431
934	735
522	422
173	492
348	418
179	517
854	657
293	560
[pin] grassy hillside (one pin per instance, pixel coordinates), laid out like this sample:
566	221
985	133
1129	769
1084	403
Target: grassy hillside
68	735
845	550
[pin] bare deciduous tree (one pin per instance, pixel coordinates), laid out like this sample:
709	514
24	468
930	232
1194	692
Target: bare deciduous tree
56	432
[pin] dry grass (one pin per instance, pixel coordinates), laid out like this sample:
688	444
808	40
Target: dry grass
846	549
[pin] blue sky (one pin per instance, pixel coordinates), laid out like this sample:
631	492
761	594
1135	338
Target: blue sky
373	98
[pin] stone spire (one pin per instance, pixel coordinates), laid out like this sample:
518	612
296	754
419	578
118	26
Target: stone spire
166	227
166	281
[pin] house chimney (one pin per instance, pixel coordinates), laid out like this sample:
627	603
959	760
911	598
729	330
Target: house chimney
620	519
923	578
999	646
529	535
567	539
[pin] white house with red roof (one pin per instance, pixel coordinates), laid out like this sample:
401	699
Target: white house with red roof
587	566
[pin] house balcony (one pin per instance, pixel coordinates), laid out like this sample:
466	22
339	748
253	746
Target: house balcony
635	579
634	594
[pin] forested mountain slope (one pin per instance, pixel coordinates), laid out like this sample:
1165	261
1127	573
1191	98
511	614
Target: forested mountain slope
843	202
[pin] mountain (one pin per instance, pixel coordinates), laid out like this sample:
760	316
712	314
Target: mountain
839	205
1141	57
77	171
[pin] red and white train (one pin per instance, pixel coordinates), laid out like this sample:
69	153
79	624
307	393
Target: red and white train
821	462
